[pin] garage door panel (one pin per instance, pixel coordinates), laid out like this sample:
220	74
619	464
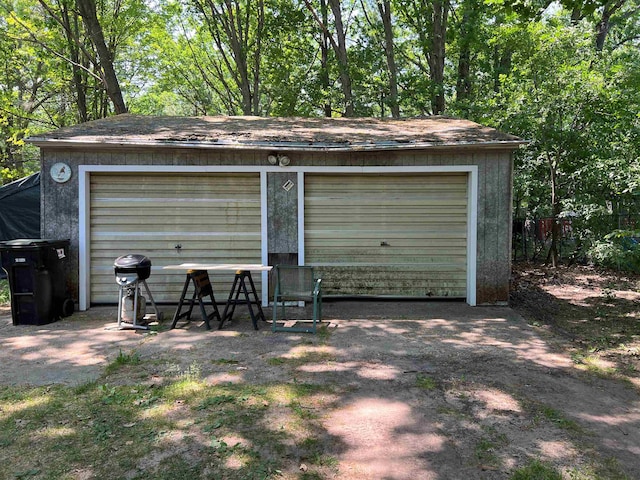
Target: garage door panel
388	234
443	281
214	217
209	217
223	249
197	183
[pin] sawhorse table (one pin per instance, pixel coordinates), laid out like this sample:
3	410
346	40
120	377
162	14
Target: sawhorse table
243	292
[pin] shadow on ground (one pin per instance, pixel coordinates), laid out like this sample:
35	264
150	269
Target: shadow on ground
405	390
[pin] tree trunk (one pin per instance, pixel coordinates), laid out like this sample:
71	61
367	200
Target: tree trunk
230	24
324	59
463	82
384	7
501	65
79	82
341	54
555	212
437	55
87	10
257	54
602	27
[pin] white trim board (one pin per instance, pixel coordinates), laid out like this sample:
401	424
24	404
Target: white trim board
84	172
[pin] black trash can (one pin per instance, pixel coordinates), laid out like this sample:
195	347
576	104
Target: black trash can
36	270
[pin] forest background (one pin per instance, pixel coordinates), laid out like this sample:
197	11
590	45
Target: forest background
564	75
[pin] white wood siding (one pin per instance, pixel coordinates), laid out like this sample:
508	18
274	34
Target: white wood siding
215	217
388	234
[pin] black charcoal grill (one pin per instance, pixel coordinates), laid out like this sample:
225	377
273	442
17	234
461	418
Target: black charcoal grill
132	270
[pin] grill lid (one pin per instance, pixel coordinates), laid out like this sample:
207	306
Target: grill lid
132	261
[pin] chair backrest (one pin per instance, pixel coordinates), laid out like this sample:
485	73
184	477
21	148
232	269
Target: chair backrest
295	281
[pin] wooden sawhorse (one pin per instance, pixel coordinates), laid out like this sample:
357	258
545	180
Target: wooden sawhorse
250	298
202	288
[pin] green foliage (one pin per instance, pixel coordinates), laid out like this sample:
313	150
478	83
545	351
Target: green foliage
518	65
619	250
536	470
5	297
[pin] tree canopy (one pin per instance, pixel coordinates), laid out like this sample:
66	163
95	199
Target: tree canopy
564	75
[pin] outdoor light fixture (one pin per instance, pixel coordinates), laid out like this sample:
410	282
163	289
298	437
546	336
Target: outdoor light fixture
283	160
277	159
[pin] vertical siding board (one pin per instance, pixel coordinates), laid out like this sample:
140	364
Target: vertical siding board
495	202
505	206
481	259
282	213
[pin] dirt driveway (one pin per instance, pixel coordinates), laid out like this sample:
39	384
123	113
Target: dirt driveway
424	390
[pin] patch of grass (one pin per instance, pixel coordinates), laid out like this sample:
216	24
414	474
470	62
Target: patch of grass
121	360
425	382
536	470
540	412
157	431
303	358
215	401
609	468
323	333
488	445
276	361
303	411
559	419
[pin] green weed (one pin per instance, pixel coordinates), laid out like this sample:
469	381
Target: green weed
536	470
121	360
558	418
426	383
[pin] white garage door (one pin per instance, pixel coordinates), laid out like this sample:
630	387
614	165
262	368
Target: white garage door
399	235
213	218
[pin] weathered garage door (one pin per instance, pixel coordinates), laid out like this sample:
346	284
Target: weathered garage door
388	234
213	218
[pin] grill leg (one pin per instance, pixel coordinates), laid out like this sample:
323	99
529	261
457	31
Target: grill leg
153	303
120	293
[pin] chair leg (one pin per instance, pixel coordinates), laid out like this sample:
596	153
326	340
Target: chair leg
275	313
316	314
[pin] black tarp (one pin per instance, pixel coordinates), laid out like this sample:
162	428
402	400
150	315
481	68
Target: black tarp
20	210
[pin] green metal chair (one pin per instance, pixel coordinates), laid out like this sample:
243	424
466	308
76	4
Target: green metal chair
296	284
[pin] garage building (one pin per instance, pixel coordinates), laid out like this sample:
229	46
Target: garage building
383	208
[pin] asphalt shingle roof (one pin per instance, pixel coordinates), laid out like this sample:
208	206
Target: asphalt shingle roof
282	133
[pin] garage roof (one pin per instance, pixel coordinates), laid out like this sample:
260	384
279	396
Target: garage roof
291	133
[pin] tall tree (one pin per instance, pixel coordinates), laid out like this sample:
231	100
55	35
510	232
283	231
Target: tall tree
87	10
339	45
237	29
385	31
429	21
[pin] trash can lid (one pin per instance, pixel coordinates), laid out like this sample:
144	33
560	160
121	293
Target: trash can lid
30	242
